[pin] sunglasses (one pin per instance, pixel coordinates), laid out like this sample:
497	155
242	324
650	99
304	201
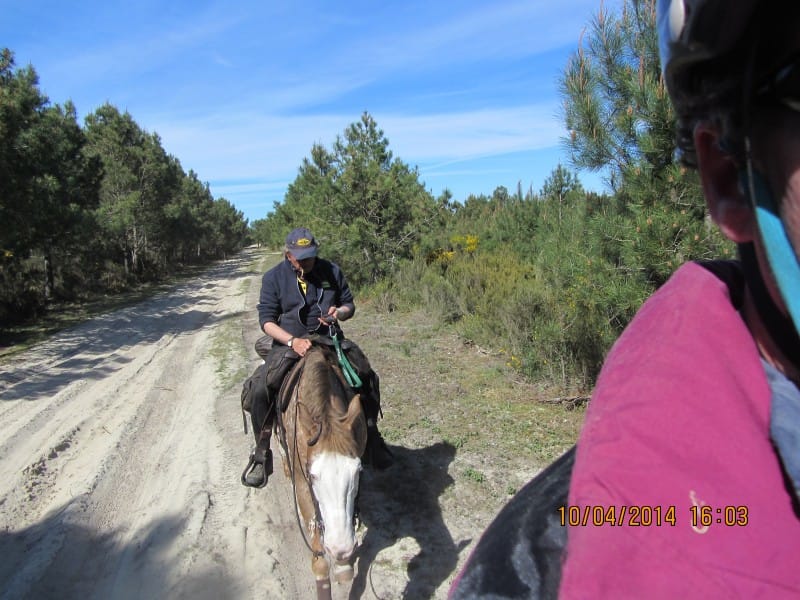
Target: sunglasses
782	85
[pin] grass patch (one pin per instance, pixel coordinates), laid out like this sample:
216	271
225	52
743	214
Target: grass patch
230	356
474	475
227	350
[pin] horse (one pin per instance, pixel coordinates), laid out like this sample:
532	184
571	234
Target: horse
323	433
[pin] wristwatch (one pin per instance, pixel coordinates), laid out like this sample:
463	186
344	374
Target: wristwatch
289	343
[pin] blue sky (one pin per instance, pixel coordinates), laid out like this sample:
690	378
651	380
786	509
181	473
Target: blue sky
239	92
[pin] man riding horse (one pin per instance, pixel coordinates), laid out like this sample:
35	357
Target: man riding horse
303	297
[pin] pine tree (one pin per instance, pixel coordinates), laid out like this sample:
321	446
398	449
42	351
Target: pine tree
366	207
619	118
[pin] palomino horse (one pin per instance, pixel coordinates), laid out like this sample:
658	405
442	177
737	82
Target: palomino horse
322	438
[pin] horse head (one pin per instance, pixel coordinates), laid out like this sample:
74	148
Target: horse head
334	471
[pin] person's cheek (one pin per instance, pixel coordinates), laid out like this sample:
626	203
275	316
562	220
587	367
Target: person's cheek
790	209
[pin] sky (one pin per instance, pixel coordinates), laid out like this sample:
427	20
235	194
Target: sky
239	91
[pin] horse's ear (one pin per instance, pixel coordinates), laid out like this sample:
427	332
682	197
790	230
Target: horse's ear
354	408
356	422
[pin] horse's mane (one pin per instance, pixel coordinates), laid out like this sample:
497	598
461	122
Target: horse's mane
320	384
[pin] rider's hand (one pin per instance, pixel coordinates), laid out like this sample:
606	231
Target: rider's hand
301	345
331	317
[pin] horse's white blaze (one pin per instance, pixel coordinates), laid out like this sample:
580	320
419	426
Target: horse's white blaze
335	481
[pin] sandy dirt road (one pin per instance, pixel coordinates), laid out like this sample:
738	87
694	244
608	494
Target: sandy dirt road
120	452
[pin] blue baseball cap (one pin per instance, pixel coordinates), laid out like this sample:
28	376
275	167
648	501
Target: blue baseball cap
301	243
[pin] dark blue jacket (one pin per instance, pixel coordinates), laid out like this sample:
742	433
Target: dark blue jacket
282	302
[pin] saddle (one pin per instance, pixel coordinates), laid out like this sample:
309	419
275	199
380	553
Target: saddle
283	369
288	384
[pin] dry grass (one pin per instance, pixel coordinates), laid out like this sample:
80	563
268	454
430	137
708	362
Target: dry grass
436	387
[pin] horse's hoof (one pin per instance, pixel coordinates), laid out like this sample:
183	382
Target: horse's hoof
342	573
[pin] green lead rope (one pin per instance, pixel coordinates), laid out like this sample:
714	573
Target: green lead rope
350	374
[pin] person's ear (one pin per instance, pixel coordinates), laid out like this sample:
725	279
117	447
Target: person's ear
719	175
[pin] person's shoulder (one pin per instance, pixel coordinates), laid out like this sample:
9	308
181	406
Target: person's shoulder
694	293
281	266
275	272
327	266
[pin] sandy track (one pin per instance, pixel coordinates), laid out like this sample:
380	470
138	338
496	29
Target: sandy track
120	453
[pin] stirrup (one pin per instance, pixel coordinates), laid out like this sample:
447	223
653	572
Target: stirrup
260	460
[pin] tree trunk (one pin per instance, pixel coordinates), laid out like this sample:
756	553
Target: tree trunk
49	278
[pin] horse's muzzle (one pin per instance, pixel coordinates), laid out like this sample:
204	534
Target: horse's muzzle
341	555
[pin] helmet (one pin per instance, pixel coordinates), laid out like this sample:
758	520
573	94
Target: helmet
701	44
714	54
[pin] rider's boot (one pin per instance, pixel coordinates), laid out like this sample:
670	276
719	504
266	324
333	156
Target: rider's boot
377	454
259	468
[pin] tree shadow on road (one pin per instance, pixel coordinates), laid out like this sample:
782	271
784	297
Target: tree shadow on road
403	502
60	557
96	347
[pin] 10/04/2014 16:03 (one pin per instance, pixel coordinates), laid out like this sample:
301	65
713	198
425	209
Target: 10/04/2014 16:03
645	515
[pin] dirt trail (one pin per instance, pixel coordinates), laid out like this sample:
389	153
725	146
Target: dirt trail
121	447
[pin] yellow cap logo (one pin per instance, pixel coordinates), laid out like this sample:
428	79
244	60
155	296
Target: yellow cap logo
303	242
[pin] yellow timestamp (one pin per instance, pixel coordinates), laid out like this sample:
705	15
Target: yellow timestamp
624	515
704	516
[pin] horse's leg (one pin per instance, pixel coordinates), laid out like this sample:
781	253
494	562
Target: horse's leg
319	564
324	589
321	570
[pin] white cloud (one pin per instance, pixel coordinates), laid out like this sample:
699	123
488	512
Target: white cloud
247	147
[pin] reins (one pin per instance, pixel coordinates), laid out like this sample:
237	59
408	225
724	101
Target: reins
353	380
282	437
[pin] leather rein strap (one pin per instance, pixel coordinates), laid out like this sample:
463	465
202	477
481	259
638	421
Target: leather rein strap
282	437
